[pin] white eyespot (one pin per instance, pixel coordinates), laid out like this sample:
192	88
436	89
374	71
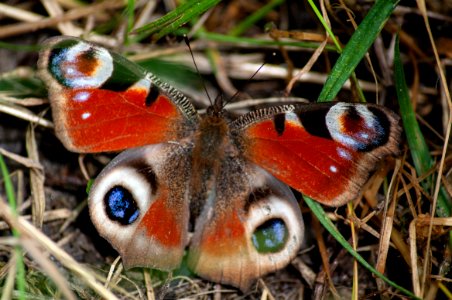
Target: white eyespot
82	96
350	130
344	153
333	169
86	115
68	63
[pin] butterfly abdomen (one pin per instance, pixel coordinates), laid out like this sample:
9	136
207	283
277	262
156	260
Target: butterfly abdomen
211	140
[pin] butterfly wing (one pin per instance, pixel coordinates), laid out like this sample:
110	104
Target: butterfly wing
103	102
250	226
139	204
325	151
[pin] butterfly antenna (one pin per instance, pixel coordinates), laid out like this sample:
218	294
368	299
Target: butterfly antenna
187	42
251	78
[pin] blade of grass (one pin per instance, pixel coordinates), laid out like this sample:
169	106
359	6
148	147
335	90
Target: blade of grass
253	18
222	38
357	47
317	209
20	267
129	11
423	162
176	18
325	25
352	54
18	47
338	47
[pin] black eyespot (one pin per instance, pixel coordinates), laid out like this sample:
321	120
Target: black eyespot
270	237
120	205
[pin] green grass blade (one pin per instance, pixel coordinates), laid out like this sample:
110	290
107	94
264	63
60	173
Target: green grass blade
328	225
18	47
325	25
357	47
253	18
20	267
422	159
351	55
176	18
222	38
416	142
9	187
130	12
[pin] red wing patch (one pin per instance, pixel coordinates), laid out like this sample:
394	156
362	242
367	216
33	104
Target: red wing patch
220	249
162	224
103	102
96	120
325	151
318	167
225	237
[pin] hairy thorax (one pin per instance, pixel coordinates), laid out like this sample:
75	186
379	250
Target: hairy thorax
211	148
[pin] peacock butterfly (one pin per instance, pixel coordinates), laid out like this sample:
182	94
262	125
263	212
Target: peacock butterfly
223	180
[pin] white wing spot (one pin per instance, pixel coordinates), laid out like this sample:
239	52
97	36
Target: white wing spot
70	71
344	153
333	169
364	135
86	115
291	116
81	96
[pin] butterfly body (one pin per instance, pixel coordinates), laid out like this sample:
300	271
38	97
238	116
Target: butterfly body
217	178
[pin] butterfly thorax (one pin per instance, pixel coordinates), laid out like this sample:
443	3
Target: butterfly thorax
212	144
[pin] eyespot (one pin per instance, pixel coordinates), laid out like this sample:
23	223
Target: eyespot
270	237
359	127
80	65
120	205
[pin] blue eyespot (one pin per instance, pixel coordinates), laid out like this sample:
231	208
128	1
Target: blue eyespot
270	237
120	205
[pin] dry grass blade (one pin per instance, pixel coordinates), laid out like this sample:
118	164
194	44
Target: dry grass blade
388	220
48	216
36	180
307	67
54	9
76	13
27	162
11	270
306	272
27	230
150	294
244	71
19	14
422	8
325	257
49	267
25	101
414	260
23	113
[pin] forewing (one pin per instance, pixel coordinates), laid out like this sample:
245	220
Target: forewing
325	151
103	102
139	204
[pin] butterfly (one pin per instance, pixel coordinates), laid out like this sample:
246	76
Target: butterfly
208	183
